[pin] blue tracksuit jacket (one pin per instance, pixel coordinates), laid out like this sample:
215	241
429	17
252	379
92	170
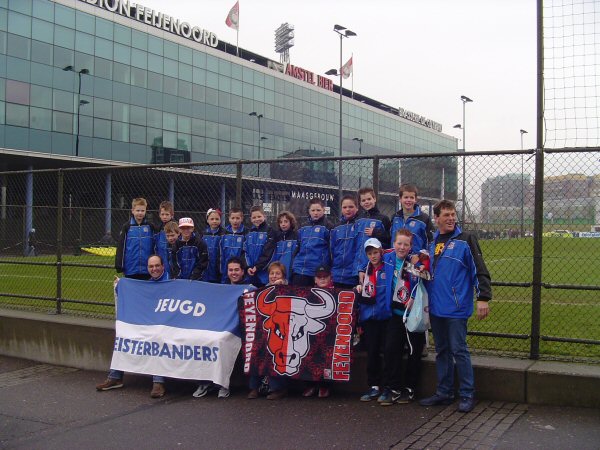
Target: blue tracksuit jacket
419	224
286	244
313	247
135	246
232	244
212	239
343	242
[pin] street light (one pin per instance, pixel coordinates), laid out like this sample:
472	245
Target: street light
80	102
344	33
522	187
258	116
464	99
360	141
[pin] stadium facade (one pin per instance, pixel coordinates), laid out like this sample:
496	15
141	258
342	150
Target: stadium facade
111	80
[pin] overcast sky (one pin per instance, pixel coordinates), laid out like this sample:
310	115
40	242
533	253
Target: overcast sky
421	55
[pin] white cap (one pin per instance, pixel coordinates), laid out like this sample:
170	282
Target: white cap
373	242
186	222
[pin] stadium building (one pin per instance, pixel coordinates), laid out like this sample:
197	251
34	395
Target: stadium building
96	82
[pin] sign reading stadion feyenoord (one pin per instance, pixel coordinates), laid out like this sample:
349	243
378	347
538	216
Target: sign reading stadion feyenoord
157	19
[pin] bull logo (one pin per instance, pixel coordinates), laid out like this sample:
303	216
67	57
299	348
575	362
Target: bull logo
290	321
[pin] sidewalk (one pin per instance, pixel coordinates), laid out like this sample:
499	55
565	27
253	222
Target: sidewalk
52	407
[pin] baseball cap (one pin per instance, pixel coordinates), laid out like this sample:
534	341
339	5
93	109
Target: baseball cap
186	222
323	269
371	242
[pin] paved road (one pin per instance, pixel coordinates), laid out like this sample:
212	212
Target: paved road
50	407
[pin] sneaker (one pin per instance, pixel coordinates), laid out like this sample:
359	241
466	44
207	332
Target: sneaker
253	394
264	386
110	384
202	390
223	393
466	404
371	394
324	392
404	395
309	391
277	395
385	399
436	399
158	390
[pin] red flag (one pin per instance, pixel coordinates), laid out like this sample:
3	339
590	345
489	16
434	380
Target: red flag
233	18
347	69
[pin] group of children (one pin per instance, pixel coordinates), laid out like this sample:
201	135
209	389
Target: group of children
351	255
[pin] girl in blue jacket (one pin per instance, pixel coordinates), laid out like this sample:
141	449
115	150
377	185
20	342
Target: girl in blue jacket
212	239
286	242
259	247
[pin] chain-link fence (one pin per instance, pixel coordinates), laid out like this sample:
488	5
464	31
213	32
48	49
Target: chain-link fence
537	215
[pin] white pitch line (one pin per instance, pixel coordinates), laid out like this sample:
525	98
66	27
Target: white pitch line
54	278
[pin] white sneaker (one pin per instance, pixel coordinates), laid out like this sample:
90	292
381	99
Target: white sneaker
202	390
223	392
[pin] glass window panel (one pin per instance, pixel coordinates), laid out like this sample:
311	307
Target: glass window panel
184	124
155	81
17	92
269	97
212	97
259	79
40	118
17	115
212	129
212	80
62	122
41	74
18	46
137	134
84	43
84	61
198	127
43	9
224	83
64	16
102	108
224	100
104	28
139	58
155	63
42	31
198	110
248	90
185	89
122	53
85	22
185	72
2	42
199	59
170	103
121	73
185	54
236	71
139	77
154	99
236	102
104	48
236	88
169	121
199	76
153	136
64	37
183	141
236	134
248	77
2	89
19	24
63	57
171	49
212	146
102	128
225	149
198	144
224	132
137	115
224	67
155	45
269	82
120	112
212	63
259	94
120	131
171	67
198	93
169	139
169	85
122	34
103	68
139	40
154	118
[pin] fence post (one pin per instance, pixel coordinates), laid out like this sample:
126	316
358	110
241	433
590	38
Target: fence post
59	240
238	185
376	175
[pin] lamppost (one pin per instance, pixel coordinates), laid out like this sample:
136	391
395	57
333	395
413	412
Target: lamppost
464	99
343	32
258	116
80	102
522	187
360	141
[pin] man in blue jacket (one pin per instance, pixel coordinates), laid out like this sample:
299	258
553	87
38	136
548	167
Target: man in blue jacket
458	272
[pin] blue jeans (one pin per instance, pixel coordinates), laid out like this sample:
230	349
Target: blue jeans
118	375
451	347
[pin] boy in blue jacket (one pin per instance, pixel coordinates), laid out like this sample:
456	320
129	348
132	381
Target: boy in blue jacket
374	313
343	241
191	252
313	245
166	212
412	218
259	247
136	243
370	224
232	242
